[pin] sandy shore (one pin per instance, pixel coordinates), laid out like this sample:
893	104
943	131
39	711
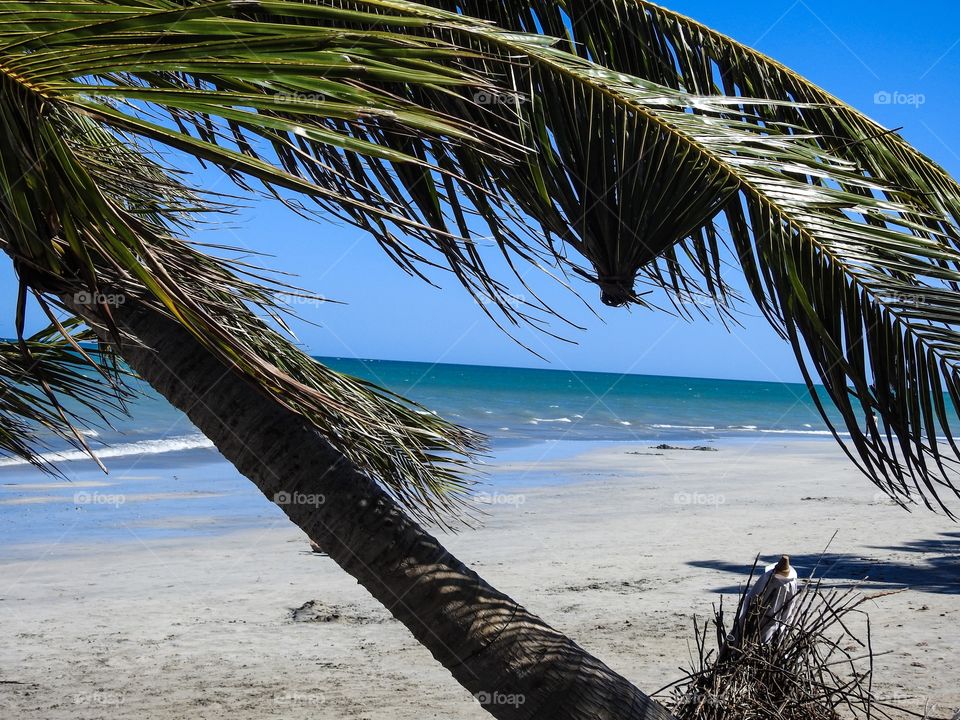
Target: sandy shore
620	559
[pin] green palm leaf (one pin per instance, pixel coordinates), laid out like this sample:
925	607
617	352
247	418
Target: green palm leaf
39	371
643	39
847	237
87	214
298	104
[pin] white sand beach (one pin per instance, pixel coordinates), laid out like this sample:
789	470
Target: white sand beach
620	557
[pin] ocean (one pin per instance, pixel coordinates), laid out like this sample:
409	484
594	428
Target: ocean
166	479
519	406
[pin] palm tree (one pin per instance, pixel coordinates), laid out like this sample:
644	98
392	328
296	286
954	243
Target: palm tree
621	152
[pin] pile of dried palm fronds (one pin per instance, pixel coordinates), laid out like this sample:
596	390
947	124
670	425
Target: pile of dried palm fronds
818	667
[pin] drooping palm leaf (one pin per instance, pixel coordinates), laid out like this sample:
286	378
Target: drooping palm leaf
37	373
846	235
837	233
104	193
91	221
643	39
305	107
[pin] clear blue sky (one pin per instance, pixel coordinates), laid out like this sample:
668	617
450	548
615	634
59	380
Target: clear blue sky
855	49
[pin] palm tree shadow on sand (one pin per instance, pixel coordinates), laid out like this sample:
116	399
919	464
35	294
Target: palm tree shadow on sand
937	571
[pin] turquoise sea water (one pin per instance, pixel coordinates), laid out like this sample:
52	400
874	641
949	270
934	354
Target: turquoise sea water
166	480
520	405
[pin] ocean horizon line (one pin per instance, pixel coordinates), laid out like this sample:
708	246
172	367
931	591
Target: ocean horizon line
322	357
92	347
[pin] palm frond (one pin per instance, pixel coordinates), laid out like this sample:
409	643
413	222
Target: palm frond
847	240
50	383
119	250
643	39
295	98
847	237
92	221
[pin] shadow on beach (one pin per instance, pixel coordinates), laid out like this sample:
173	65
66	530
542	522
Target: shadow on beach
937	572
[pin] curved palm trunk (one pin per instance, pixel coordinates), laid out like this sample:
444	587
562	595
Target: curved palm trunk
512	661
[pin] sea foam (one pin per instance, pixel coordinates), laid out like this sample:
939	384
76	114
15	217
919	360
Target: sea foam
143	447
